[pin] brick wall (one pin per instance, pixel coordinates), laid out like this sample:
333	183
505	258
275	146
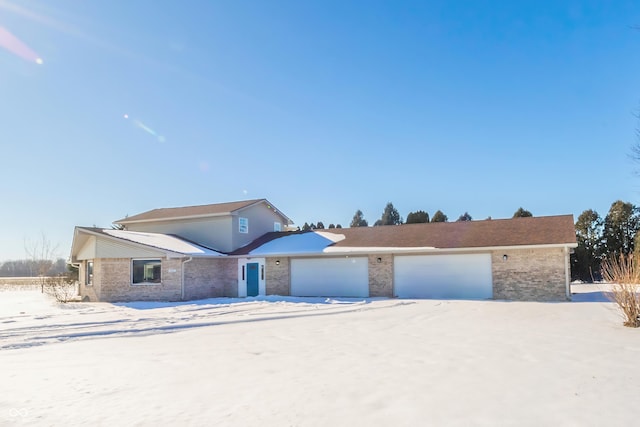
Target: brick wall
227	277
201	279
277	276
529	275
381	275
114	277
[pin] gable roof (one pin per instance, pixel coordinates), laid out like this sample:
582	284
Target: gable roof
216	209
532	231
163	242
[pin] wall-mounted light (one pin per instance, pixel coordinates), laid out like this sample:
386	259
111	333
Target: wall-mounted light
379	260
277	262
505	257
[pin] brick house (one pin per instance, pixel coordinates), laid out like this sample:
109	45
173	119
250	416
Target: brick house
239	249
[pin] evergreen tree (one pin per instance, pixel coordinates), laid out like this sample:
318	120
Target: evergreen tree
522	213
306	227
332	225
417	217
439	217
586	258
338	226
390	216
358	220
620	227
465	217
320	225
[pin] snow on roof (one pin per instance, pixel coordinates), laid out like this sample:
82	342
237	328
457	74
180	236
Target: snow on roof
311	242
162	241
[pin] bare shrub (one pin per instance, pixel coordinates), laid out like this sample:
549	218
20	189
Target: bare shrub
623	273
61	287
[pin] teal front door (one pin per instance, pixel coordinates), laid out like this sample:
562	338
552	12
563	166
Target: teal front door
252	279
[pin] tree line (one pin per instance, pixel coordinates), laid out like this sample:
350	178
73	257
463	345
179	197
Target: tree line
603	238
32	268
391	216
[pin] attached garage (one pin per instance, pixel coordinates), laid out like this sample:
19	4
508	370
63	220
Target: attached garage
330	277
456	276
504	259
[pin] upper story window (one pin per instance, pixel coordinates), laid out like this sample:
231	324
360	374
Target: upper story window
277	226
89	280
147	271
243	225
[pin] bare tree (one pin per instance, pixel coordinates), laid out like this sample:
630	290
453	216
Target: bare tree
42	254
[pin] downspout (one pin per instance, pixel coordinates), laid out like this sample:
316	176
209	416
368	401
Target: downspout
76	265
182	281
567	272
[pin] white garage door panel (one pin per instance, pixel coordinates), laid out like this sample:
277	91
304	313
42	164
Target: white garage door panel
330	277
443	276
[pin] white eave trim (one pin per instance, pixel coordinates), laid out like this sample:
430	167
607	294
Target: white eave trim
347	251
166	253
173	218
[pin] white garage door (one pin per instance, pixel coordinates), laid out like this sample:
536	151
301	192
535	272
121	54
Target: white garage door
330	277
443	276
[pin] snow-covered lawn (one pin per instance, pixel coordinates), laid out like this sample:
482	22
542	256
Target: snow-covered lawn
317	362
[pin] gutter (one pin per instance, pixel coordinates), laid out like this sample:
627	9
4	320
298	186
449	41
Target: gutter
182	279
332	251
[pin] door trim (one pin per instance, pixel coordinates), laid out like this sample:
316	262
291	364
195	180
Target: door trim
242	276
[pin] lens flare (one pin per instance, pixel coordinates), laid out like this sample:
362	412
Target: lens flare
17	47
140	125
145	127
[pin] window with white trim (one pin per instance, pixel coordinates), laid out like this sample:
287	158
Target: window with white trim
89	279
146	271
243	225
277	226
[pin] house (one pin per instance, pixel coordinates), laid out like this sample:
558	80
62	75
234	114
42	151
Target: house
239	249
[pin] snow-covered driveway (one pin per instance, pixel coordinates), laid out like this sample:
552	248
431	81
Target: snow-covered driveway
29	319
317	362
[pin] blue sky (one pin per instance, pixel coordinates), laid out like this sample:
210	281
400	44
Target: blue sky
322	107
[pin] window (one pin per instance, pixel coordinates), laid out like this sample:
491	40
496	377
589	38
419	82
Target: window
277	226
147	271
243	225
89	280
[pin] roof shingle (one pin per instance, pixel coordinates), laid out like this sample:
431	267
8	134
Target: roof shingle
190	211
549	230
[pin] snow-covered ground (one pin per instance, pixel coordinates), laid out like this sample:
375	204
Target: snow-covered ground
318	362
